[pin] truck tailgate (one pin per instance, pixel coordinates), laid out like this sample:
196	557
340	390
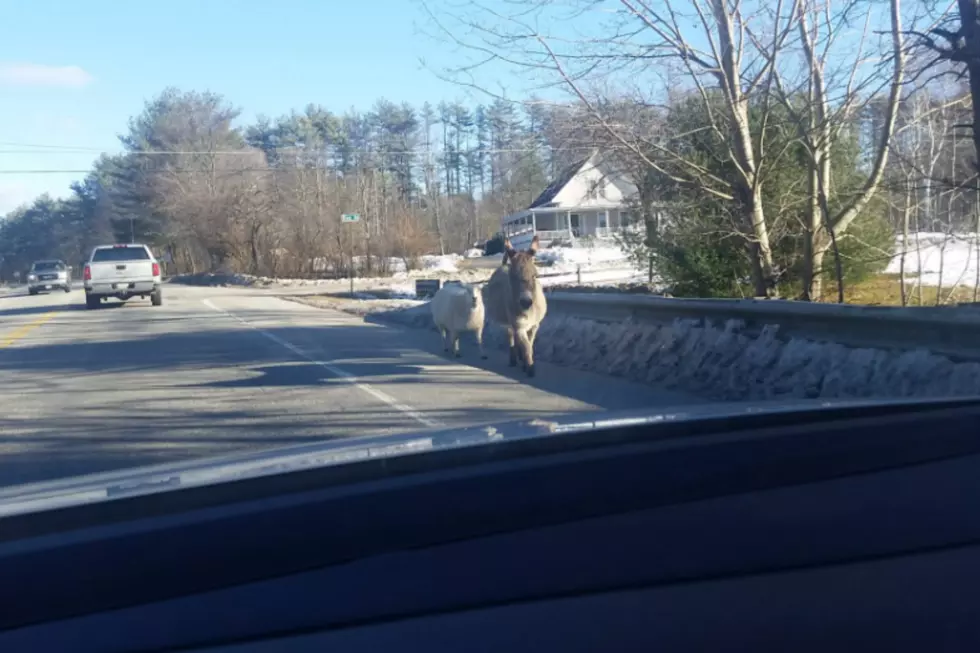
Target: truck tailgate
121	271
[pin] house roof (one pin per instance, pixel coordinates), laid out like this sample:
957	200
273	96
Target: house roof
548	195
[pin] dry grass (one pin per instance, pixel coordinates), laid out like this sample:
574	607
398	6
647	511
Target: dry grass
886	290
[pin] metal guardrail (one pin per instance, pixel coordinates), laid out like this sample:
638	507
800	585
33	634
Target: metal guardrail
950	331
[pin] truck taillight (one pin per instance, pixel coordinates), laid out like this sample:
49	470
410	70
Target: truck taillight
156	269
86	273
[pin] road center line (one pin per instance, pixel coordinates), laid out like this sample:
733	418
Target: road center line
24	329
336	371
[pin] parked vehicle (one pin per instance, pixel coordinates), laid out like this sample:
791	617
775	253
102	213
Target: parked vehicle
122	271
48	275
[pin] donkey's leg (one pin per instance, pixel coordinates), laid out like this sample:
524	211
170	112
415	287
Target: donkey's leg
479	342
455	337
513	347
524	345
532	334
520	351
445	339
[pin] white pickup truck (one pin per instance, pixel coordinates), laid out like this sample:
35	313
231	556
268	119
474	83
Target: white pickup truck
121	271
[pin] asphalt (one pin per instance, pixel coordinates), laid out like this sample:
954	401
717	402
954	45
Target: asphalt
221	370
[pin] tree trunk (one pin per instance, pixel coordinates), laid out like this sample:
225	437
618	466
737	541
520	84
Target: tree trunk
763	272
814	252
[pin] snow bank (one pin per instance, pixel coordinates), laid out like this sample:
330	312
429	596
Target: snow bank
216	279
937	257
446	263
432	266
402	284
429	262
721	361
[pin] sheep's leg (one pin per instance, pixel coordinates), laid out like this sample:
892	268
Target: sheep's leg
455	337
445	339
479	341
524	345
513	347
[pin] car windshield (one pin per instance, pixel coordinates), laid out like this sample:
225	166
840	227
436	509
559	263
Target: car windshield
48	266
120	254
293	227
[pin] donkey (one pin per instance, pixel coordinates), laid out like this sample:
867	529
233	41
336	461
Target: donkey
513	298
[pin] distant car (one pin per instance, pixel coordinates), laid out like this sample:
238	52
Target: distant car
122	271
48	275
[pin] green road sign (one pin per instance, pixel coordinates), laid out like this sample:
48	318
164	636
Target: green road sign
350	217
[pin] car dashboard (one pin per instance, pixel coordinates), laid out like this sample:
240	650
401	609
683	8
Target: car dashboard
850	529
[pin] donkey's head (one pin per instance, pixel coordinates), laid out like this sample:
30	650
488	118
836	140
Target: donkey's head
523	273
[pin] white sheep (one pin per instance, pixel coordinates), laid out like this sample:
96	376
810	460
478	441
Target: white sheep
457	308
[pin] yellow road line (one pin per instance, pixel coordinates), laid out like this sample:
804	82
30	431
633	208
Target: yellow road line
23	330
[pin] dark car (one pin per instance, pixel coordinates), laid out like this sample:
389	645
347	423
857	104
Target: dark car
48	275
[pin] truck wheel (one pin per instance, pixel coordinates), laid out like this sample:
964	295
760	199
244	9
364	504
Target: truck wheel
156	297
67	288
31	291
91	301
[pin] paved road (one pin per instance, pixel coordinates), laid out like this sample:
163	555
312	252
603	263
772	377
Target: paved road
216	370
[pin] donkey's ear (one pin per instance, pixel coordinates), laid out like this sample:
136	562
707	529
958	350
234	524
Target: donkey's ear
534	245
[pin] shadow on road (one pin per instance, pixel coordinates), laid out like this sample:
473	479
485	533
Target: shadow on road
375	355
158	390
53	308
62	447
40	310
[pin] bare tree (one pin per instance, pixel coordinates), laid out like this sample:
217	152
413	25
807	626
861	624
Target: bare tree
835	95
643	44
954	37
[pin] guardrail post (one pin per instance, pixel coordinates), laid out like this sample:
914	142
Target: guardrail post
578	274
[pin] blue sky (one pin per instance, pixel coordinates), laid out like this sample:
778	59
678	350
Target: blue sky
72	72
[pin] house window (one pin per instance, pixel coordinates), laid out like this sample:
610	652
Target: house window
602	220
573	223
624	218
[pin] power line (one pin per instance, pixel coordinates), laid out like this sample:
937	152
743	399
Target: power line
38	145
85	171
334	150
45	172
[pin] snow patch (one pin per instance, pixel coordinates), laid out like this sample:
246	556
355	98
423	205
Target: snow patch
935	259
572	256
587	265
401	282
446	263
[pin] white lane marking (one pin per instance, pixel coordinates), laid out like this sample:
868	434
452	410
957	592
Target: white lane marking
336	371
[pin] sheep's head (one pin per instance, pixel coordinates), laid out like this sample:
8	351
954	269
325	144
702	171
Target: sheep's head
475	297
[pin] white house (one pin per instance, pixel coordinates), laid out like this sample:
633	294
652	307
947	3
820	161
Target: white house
588	199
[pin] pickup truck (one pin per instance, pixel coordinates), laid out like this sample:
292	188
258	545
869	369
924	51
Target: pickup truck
48	275
121	271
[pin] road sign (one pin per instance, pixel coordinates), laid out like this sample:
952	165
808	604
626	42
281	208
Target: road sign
345	218
426	287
